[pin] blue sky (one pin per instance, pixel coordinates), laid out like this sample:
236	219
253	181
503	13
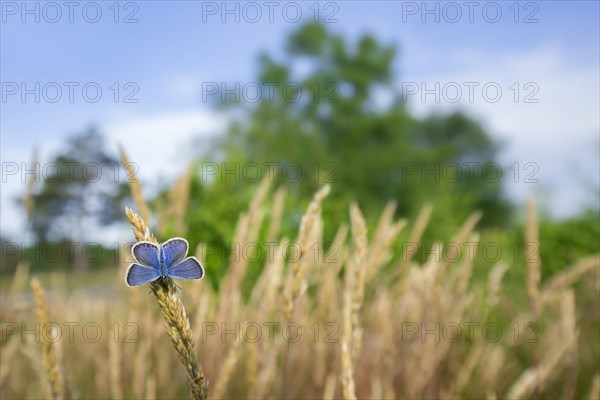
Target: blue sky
175	46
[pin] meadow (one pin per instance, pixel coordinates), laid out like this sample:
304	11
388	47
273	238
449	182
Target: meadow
348	320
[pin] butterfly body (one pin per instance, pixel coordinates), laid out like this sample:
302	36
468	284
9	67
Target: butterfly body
166	260
163	270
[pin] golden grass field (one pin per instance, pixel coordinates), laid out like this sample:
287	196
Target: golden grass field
371	326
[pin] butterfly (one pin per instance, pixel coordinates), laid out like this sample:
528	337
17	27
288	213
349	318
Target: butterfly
166	260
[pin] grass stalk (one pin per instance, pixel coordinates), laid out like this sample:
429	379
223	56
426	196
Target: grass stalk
54	375
177	322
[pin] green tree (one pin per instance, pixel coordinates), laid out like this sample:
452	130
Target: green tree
79	192
336	131
327	117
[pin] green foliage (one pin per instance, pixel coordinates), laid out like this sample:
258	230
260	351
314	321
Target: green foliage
337	132
562	243
565	242
211	220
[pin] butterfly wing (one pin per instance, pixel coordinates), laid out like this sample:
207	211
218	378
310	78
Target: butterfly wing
190	268
175	251
146	253
137	275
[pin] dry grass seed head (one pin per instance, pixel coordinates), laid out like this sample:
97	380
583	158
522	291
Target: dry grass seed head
53	372
532	258
136	186
295	280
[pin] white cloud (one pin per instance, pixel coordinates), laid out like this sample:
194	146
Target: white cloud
158	143
559	132
568	99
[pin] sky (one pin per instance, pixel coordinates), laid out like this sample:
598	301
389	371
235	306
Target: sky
528	71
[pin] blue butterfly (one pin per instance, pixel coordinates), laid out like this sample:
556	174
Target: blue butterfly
165	260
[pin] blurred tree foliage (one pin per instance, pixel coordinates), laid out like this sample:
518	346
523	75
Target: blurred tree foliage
80	190
324	114
564	242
